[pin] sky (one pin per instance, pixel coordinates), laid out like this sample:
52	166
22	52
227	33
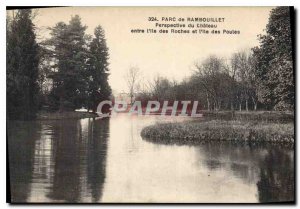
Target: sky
169	55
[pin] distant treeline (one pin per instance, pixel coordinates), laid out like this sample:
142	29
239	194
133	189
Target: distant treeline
67	71
260	78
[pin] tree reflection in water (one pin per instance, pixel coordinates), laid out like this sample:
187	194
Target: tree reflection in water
276	177
270	167
57	161
21	152
80	160
96	160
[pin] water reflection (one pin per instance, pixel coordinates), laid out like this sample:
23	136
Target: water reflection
66	172
21	151
58	161
276	177
91	160
96	161
271	168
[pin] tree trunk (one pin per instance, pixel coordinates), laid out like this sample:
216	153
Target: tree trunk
255	103
61	104
208	104
247	105
131	99
62	99
240	107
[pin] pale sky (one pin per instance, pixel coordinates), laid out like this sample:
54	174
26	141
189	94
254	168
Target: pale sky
170	55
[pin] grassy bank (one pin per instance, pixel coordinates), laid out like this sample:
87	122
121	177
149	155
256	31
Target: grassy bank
64	115
219	130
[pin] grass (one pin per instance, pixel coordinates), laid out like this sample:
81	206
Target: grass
220	130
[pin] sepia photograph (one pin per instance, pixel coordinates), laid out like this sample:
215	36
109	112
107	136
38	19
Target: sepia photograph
150	104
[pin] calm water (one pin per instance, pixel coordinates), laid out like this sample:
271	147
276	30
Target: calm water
91	160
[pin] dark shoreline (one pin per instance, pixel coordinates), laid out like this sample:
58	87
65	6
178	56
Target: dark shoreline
64	115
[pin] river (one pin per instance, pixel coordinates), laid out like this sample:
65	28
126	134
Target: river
106	160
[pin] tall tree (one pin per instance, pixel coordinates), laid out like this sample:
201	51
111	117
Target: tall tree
274	64
98	71
69	50
22	67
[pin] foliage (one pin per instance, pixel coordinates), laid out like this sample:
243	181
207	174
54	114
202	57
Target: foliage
274	63
80	66
22	52
98	72
69	52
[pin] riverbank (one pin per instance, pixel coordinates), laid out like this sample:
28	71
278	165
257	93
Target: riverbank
190	132
257	116
64	115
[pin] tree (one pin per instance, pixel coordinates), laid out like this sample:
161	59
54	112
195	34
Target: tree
214	80
246	78
274	63
22	55
132	79
68	45
98	72
161	88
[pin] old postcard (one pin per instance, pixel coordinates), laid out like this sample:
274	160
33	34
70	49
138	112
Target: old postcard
150	104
